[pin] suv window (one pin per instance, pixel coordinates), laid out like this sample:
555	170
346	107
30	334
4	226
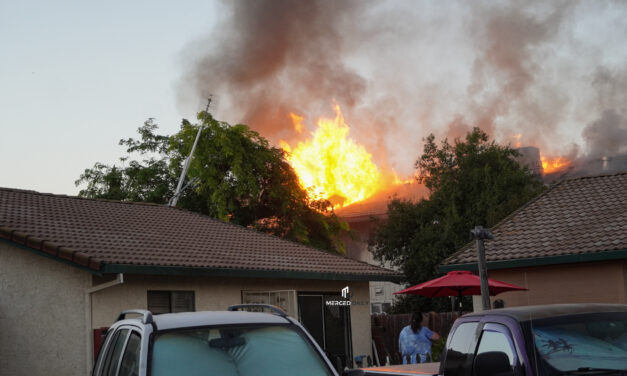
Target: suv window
130	360
114	351
460	350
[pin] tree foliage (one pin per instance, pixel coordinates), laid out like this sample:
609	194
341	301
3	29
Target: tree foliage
471	182
235	176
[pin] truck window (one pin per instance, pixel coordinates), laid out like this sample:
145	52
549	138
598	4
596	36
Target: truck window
460	350
114	351
130	359
496	337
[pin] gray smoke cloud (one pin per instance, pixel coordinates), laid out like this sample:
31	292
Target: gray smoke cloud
607	135
549	75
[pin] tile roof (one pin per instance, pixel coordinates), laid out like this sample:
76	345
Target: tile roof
577	217
377	205
100	233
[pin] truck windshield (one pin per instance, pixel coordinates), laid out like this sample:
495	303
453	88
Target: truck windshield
231	351
584	342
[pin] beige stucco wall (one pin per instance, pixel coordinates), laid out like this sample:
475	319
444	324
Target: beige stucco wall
594	282
213	293
43	305
42	315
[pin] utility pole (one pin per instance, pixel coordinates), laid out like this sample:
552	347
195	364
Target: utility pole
178	191
480	233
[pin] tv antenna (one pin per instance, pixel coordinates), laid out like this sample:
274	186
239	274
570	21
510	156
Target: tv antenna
179	187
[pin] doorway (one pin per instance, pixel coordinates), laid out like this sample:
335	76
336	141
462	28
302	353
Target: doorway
329	325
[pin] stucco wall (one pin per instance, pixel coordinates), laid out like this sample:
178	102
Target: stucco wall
595	282
218	293
42	315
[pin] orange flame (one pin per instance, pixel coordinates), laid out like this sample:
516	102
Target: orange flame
334	167
551	165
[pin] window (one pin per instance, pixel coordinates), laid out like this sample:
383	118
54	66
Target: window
171	301
460	350
114	351
376	308
496	341
130	360
280	350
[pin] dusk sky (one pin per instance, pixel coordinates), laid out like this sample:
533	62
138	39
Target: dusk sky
76	77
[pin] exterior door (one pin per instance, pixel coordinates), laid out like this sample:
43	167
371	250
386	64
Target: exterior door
329	325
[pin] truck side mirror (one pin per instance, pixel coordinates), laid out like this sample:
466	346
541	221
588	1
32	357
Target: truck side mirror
492	363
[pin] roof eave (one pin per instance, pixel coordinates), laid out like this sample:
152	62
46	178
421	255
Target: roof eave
243	273
70	261
540	261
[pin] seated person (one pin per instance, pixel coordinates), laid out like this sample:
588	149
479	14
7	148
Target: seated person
415	340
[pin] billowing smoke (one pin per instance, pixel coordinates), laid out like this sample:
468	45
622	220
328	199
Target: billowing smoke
271	58
550	75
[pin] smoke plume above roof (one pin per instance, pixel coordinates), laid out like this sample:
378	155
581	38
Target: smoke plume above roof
552	75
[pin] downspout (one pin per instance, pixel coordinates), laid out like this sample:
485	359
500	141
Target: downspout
119	279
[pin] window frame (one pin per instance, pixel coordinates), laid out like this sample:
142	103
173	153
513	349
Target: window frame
111	348
171	299
106	348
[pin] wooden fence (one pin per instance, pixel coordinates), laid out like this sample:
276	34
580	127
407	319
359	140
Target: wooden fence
386	329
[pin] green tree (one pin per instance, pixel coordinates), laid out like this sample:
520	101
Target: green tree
471	182
235	176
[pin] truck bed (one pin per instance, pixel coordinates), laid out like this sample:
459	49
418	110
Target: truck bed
404	369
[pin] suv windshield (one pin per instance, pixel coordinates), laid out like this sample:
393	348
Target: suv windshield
230	351
582	342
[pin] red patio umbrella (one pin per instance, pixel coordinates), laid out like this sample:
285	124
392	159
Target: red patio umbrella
458	283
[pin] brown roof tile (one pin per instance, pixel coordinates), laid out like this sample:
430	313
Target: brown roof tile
96	233
575	217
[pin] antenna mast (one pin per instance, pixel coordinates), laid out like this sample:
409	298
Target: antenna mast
178	191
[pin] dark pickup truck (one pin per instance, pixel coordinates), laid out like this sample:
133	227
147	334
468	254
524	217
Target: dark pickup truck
549	340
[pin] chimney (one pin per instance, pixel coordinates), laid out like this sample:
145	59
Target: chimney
530	157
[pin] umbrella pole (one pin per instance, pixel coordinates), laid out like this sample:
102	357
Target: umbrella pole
459	303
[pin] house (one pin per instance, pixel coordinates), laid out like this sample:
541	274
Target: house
363	218
69	265
569	245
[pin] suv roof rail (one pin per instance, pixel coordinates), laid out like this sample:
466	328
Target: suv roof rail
275	310
146	315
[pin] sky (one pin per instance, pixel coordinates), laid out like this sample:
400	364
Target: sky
76	77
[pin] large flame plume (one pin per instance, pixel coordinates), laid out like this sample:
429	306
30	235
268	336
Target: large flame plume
332	166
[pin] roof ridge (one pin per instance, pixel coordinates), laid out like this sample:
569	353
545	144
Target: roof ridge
30	191
605	175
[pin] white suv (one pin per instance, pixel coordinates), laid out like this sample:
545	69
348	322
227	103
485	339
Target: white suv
224	343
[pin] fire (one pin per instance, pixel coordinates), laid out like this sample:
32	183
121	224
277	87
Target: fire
332	166
551	165
516	140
